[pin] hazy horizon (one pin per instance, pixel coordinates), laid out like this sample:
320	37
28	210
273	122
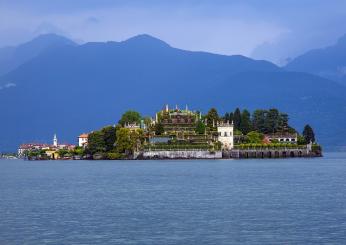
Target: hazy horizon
268	30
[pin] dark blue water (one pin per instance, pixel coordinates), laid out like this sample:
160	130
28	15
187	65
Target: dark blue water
290	201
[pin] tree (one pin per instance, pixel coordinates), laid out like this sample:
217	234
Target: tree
301	140
109	137
128	140
226	117
272	121
231	117
130	117
255	137
259	120
200	127
308	134
96	143
159	129
245	122
212	117
237	118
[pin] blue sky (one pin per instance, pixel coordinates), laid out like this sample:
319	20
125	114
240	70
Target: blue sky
262	29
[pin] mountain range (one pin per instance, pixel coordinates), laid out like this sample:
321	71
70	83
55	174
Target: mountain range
68	89
329	62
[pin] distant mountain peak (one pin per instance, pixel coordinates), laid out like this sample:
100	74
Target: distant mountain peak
51	38
145	40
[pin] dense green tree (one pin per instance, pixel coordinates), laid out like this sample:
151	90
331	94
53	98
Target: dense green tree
308	134
96	143
109	137
159	129
212	117
231	116
130	117
272	121
226	117
255	137
301	140
200	127
259	120
128	140
79	151
245	122
237	119
283	123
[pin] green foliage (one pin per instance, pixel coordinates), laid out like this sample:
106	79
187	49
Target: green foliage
128	140
245	122
96	143
308	134
211	117
271	121
301	140
255	137
62	152
159	129
237	119
114	155
109	137
130	117
200	127
237	132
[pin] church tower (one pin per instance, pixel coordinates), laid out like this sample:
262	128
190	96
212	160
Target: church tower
55	141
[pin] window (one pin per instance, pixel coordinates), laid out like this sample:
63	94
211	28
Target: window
225	134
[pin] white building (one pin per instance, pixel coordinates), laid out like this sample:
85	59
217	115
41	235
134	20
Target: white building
282	138
225	135
83	140
132	126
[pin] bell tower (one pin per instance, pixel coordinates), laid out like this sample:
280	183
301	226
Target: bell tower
55	141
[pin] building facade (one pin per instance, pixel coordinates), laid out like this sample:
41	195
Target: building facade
83	140
225	135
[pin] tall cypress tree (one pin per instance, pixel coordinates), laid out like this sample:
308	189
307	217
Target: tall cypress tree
231	117
237	119
308	134
259	120
226	117
212	116
245	123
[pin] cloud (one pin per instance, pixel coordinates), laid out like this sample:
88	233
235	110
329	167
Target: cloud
8	85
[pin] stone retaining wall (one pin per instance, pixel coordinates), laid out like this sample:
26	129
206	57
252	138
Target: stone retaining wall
186	154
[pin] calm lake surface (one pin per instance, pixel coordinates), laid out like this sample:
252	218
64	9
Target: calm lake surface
289	201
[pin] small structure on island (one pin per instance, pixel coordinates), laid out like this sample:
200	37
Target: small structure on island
282	138
225	135
55	141
83	140
132	126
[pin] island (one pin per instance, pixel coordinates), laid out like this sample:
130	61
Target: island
175	133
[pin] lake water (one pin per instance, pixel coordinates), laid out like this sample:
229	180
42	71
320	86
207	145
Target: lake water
288	201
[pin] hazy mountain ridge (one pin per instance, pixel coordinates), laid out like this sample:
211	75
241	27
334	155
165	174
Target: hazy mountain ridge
329	62
12	57
73	89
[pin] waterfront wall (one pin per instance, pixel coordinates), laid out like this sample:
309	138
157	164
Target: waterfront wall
178	154
270	153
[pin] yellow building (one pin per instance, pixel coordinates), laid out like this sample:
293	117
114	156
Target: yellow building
54	155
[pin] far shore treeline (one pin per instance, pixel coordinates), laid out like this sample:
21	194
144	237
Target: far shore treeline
118	142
